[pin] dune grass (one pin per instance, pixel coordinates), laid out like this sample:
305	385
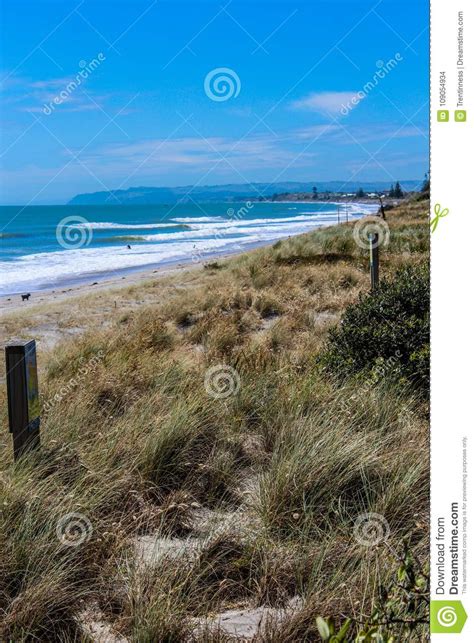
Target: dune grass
138	439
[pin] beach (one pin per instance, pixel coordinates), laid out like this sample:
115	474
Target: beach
49	248
176	403
108	282
215	236
53	315
82	299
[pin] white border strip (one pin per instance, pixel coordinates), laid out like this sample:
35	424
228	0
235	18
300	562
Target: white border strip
452	321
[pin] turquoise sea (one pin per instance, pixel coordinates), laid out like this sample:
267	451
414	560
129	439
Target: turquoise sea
51	246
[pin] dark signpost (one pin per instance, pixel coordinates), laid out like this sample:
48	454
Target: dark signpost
374	261
23	396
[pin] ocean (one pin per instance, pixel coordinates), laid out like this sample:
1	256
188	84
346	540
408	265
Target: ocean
43	247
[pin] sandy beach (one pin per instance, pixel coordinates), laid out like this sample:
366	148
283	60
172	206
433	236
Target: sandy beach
167	396
96	246
215	298
15	303
54	314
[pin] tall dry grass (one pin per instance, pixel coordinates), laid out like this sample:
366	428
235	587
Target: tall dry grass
134	443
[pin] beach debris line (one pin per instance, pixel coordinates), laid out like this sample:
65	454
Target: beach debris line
23	396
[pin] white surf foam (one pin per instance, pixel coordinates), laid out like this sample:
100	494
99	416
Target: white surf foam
197	219
43	270
207	236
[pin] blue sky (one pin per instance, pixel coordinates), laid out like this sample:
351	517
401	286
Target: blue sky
140	113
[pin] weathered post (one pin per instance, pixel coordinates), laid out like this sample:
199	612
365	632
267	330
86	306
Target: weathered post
382	209
374	260
23	396
338	214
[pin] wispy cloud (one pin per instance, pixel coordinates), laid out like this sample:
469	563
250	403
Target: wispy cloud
350	134
298	148
291	155
68	105
196	153
28	95
50	83
317	132
323	102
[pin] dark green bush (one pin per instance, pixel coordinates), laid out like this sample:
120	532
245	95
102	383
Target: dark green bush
386	332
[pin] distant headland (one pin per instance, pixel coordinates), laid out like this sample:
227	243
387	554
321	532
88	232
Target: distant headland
240	192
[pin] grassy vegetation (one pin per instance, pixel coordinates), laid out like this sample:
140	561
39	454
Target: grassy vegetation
288	463
386	330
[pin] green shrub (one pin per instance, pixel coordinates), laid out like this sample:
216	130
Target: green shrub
386	331
401	609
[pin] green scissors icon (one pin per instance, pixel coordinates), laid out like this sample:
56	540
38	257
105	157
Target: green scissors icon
439	214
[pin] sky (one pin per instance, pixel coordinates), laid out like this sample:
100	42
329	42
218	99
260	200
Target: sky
112	94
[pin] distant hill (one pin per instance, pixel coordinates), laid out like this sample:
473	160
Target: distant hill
229	192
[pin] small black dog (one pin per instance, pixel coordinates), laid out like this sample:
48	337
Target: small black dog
25	297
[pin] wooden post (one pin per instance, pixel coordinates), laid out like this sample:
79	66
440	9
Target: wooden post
347	213
382	209
374	261
23	396
338	214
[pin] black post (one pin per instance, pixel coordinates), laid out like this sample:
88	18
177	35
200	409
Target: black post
374	260
23	396
382	209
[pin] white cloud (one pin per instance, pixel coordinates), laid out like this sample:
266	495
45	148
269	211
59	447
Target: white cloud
27	95
316	132
293	155
325	102
198	154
